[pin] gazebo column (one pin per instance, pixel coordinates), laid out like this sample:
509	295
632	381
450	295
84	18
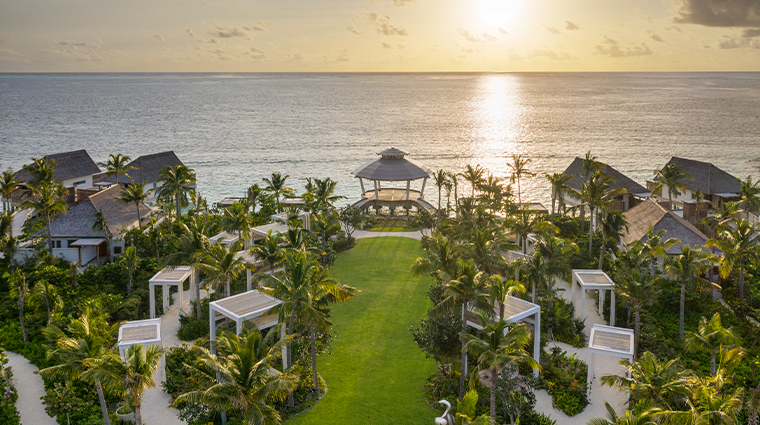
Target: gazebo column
152	290
361	183
422	191
537	341
612	307
408	183
376	186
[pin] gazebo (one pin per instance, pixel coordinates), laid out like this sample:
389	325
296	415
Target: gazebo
609	340
166	278
145	332
593	280
515	310
251	305
392	166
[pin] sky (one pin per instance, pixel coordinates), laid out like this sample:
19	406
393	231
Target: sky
378	35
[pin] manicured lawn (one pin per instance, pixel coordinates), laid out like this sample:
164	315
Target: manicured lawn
374	370
393	229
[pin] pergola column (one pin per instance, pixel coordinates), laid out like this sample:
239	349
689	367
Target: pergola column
248	280
537	341
583	304
601	302
590	374
612	307
284	349
212	328
152	290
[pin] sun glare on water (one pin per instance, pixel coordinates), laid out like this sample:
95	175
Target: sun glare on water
497	11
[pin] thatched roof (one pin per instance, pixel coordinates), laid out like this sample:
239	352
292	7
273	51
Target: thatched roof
148	167
392	166
650	212
708	178
621	180
68	165
78	221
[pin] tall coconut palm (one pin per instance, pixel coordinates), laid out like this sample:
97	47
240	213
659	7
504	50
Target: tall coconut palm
276	185
132	375
724	215
687	268
9	185
46	294
41	171
176	183
485	247
640	416
47	202
590	165
326	225
19	289
559	183
237	379
236	220
253	194
134	194
499	289
555	253
191	243
132	262
656	248
498	350
440	178
469	288
750	194
663	384
100	225
85	348
710	338
637	289
596	194
740	245
117	165
320	193
454	181
672	177
473	175
441	260
519	167
492	192
523	223
269	251
614	226
221	264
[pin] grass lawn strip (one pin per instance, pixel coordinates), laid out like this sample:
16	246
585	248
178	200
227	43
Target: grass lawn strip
374	369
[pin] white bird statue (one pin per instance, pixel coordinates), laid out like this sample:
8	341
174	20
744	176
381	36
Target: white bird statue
446	418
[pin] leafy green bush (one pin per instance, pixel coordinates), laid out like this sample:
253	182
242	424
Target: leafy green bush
565	376
567	403
8	412
72	402
11	339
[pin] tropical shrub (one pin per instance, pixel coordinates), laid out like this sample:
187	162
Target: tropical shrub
8	412
565	379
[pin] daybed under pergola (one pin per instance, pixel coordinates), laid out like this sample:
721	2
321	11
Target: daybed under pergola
251	306
392	166
609	340
146	332
515	310
168	277
593	280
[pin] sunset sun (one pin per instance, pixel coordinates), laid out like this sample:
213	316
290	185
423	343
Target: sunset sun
497	11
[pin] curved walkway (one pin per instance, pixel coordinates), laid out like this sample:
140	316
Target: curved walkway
30	389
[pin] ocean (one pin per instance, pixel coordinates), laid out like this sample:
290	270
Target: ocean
235	129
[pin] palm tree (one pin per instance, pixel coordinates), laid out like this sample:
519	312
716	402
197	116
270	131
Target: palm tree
101	225
534	270
555	253
454	181
276	185
19	289
493	192
221	264
41	170
236	220
750	194
672	177
192	242
46	293
176	183
640	417
269	251
84	350
440	178
740	245
650	381
469	287
559	183
687	268
614	226
637	289
596	194
252	195
321	194
710	337
498	350
47	202
655	248
9	184
326	225
753	405
238	380
474	175
117	165
485	247
590	166
499	289
134	194
132	375
441	260
132	262
519	167
723	215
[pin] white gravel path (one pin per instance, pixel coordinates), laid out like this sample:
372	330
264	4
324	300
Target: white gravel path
30	389
362	234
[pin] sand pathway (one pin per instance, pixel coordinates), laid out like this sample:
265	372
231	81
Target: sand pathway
30	388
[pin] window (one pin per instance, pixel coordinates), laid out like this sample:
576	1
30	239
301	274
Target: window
69	242
79	182
116	249
57	244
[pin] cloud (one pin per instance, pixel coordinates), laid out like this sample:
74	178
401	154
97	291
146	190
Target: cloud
486	37
655	37
198	38
159	37
256	54
383	25
503	31
550	54
719	13
470	50
571	26
402	3
354	30
6	39
611	48
11	56
751	33
343	55
739	43
222	31
387	46
71	43
674	28
552	30
295	57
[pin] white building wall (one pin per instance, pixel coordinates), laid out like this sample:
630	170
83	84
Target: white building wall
86	184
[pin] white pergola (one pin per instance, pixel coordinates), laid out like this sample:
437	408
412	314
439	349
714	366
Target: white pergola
166	278
224	238
516	310
303	216
145	332
251	305
594	280
609	340
249	258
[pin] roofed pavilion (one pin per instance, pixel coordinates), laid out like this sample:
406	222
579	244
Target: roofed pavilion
392	166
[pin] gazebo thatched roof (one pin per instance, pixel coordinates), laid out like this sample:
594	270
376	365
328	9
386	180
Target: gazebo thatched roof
392	166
